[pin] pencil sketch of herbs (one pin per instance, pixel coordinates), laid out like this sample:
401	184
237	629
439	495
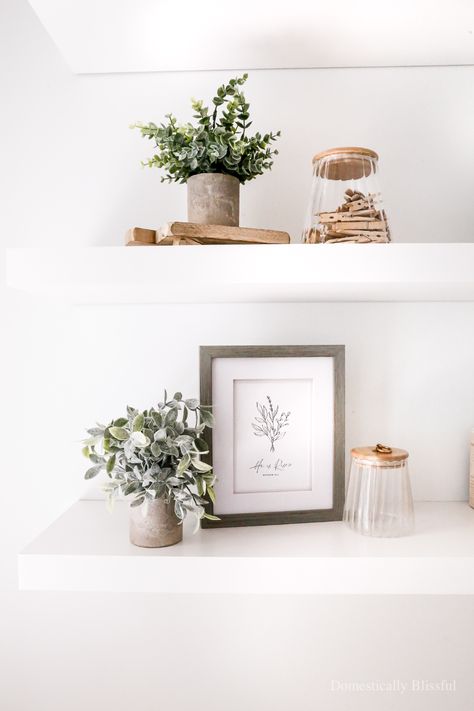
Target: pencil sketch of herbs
269	423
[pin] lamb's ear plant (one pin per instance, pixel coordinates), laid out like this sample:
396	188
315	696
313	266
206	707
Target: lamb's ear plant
217	143
156	454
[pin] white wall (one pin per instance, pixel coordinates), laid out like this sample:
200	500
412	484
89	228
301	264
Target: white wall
69	173
409	379
74	170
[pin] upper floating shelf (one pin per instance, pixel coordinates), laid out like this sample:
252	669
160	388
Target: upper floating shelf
241	273
159	35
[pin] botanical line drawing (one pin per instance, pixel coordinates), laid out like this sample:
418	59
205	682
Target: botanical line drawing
269	423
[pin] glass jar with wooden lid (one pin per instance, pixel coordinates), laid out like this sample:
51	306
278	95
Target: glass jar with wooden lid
379	500
345	203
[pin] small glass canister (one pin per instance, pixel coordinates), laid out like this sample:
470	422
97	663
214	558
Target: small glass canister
346	203
379	500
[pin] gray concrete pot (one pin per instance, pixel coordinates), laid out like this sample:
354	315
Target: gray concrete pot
213	199
155	527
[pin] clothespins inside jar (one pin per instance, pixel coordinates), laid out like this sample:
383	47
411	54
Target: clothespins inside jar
346	203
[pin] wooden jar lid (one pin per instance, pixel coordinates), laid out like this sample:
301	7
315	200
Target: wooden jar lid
347	149
349	163
379	455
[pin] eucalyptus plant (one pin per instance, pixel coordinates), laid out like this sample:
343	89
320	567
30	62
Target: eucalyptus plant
154	454
217	143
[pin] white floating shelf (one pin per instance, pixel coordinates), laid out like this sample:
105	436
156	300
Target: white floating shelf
247	273
141	35
87	549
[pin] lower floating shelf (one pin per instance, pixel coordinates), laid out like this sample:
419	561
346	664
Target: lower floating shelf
87	549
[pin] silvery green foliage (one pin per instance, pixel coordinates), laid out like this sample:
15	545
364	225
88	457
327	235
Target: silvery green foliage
156	454
218	143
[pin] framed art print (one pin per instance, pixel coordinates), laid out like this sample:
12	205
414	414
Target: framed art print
277	446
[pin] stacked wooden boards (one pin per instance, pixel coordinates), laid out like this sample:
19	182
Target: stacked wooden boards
189	233
358	220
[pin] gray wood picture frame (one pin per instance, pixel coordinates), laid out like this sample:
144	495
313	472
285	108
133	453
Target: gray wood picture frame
337	352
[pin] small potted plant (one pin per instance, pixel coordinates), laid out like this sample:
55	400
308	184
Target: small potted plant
154	456
213	156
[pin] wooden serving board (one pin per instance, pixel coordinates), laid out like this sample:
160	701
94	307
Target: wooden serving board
186	233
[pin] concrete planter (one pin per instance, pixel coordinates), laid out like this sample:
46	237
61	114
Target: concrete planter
156	527
213	199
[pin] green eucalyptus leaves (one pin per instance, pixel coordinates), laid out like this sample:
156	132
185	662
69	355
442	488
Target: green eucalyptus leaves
217	143
156	454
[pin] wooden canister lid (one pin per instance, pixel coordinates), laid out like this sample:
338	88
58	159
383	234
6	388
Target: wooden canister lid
347	149
379	454
349	163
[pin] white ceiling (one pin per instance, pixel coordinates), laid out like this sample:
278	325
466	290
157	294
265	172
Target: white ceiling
163	35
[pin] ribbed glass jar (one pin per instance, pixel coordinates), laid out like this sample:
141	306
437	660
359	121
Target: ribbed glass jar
345	203
379	500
